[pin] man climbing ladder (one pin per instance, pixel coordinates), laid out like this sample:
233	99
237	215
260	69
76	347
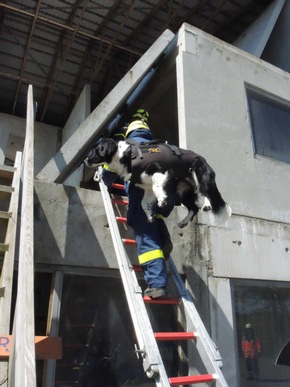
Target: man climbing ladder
153	240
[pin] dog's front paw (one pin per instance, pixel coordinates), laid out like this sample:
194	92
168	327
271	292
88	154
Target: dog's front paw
162	203
151	218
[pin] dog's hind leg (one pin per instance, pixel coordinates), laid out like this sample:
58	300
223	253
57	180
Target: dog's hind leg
208	188
148	203
159	181
187	197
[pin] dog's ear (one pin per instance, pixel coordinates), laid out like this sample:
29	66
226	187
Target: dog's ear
107	148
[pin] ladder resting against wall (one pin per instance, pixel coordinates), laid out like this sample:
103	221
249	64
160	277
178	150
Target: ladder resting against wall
45	347
147	347
9	199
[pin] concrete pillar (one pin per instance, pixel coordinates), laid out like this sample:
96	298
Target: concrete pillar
277	49
4	134
79	113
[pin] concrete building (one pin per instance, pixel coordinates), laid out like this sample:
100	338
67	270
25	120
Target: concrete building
229	103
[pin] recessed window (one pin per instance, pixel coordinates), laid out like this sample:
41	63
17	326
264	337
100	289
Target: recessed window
263	325
270	120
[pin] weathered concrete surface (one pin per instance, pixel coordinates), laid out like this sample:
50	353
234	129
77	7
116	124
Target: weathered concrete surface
214	121
76	147
71	229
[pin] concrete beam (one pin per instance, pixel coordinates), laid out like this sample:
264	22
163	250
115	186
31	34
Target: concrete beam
255	38
74	150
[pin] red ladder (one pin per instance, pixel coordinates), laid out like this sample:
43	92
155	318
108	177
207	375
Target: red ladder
214	378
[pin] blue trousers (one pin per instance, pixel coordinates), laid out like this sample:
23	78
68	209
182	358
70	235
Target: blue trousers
151	237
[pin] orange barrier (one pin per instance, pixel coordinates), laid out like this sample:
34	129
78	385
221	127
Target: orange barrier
46	347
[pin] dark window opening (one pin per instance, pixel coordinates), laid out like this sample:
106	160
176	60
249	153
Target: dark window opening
98	336
270	121
263	328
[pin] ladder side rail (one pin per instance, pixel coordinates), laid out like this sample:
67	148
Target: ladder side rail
149	351
206	347
52	328
6	280
22	364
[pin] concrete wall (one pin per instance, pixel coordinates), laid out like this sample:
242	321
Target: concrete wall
78	115
214	121
71	229
12	130
217	124
70	224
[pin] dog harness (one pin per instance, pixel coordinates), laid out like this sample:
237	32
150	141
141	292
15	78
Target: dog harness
169	157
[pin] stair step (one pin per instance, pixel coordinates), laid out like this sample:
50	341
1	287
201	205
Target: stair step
184	380
167	300
130	242
168	336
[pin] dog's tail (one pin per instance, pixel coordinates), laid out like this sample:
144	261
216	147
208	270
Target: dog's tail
205	177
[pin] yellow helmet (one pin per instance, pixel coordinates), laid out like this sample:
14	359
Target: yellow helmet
140	113
137	124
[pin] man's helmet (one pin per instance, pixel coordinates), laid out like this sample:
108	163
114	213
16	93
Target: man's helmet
140	113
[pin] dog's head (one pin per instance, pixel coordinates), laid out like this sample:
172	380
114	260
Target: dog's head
102	153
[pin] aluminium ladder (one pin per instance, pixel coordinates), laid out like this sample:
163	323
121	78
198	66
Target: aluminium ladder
147	347
9	203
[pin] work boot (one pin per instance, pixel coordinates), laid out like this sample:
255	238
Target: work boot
155	292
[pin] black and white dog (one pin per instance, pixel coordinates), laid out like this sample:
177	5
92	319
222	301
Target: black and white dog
159	169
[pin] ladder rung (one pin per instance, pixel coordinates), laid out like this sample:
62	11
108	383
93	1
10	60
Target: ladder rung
168	300
6	171
4	247
121	219
118	186
5	192
131	242
182	380
137	268
5	215
121	202
167	336
6	188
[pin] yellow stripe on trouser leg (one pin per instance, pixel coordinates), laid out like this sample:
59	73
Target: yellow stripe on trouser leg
150	255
